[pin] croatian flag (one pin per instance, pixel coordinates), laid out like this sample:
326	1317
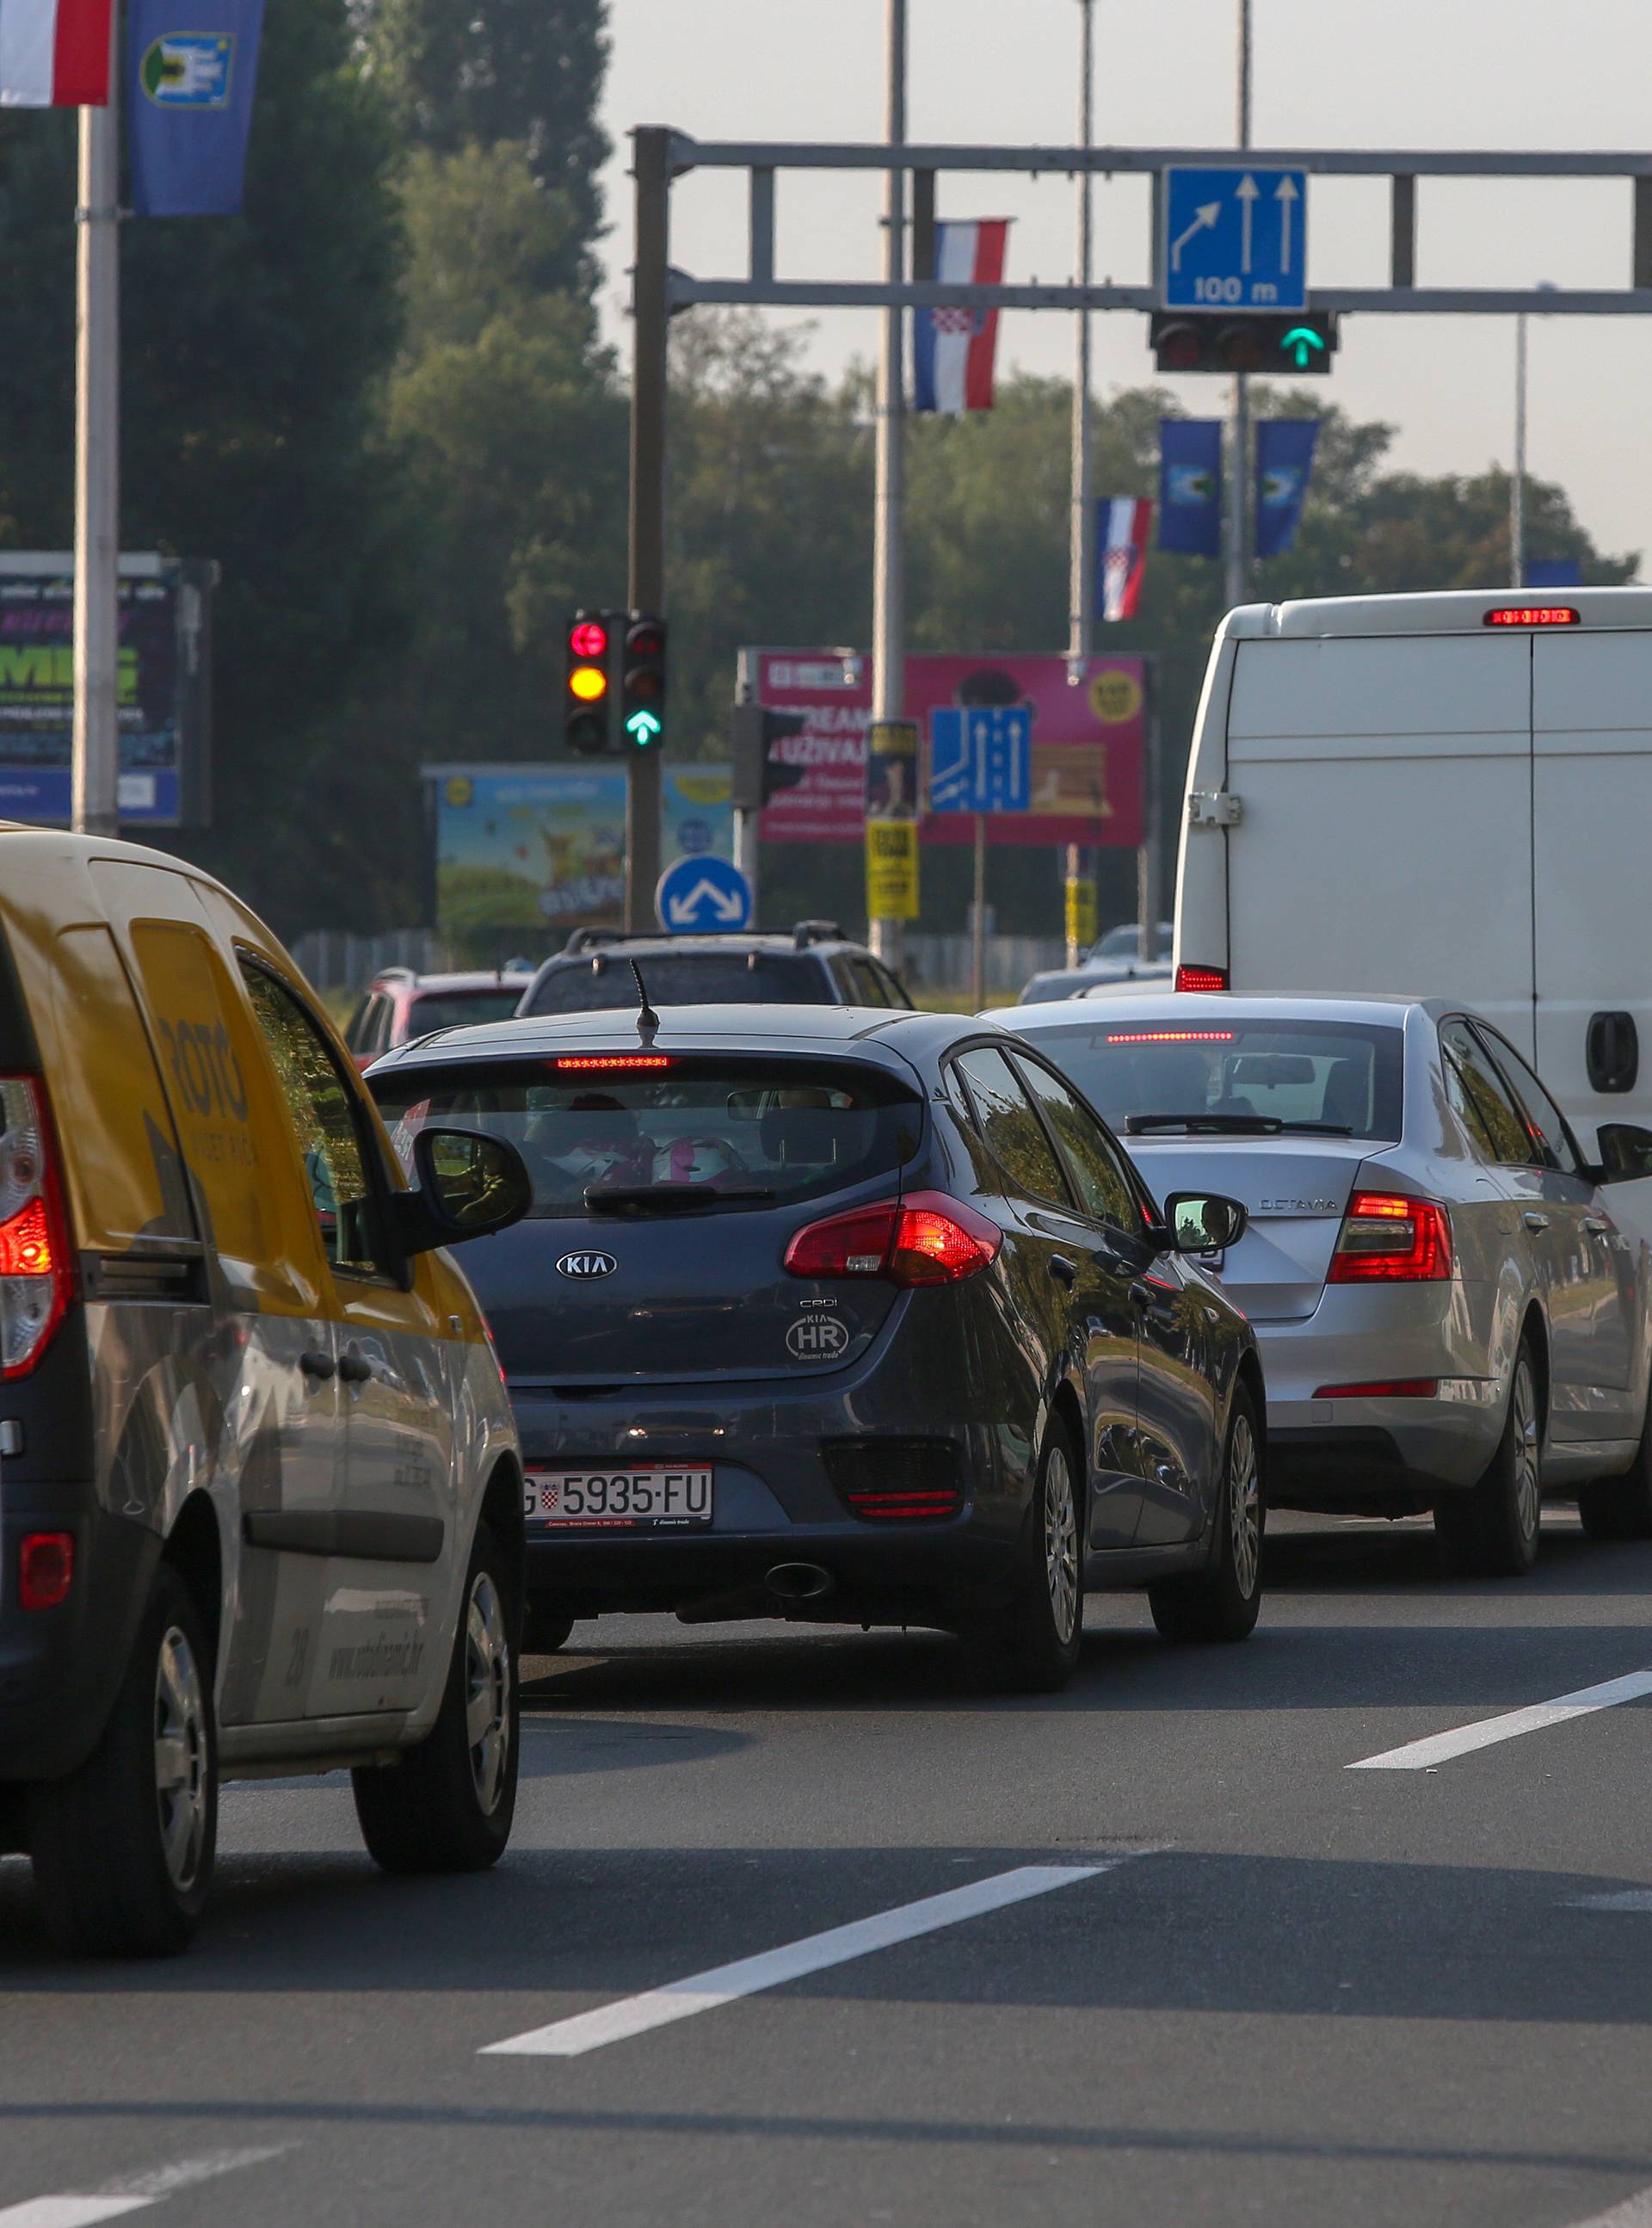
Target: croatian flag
54	54
952	349
1123	525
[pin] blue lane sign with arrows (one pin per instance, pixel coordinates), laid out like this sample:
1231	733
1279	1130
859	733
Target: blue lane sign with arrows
702	892
1235	238
979	758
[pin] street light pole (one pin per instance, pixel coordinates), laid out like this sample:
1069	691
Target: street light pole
889	598
95	748
1517	483
1238	445
1081	575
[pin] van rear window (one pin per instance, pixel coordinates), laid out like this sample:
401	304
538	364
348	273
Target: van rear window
708	1131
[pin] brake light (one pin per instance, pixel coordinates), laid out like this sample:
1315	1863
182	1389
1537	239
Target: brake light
1385	1388
35	1276
1524	615
45	1569
927	1239
1387	1237
1172	1036
610	1063
1189	977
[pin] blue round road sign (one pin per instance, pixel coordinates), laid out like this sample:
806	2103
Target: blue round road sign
702	892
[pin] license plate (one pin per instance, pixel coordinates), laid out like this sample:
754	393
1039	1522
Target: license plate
652	1499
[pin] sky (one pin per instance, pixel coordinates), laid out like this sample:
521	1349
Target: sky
1420	74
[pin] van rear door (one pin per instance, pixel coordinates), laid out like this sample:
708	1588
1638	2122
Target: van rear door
1384	783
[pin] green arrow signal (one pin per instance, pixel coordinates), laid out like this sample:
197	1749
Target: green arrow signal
1302	340
642	726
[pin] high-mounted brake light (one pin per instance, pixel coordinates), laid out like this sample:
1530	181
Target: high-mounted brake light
36	1277
1172	1036
1388	1238
1190	977
610	1063
1525	615
926	1238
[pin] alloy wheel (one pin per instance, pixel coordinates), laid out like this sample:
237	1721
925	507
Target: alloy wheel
487	1692
1528	1485
180	1759
1060	1544
1244	1506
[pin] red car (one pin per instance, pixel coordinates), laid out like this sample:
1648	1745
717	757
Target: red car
399	1005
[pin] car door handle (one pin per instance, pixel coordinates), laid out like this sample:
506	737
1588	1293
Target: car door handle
1535	1221
1141	1294
355	1368
1064	1272
1596	1227
317	1365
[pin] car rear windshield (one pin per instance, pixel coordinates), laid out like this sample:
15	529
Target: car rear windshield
458	1009
685	978
709	1132
1337	1075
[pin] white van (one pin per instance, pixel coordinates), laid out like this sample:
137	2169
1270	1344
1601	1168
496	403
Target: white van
1436	795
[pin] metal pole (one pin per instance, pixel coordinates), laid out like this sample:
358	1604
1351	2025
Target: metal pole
888	585
1149	858
1517	481
650	168
96	761
1238	444
978	923
1081	540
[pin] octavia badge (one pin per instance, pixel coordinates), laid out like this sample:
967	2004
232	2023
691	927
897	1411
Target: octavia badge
587	1265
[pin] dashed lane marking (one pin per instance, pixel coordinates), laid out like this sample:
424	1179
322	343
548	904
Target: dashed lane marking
131	2192
749	1976
1632	1898
1634	2213
1440	1748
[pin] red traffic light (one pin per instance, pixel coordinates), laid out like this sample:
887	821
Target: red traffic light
588	638
1181	347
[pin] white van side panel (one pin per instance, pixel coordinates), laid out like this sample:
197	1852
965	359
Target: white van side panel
1592	722
1385	793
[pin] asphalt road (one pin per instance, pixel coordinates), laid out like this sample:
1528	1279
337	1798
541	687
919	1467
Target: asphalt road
1238	1982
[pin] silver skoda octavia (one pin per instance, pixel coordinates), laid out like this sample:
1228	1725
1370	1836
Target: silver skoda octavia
1450	1303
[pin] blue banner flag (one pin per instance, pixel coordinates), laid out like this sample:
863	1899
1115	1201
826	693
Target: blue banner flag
190	98
1285	461
1553	573
1190	485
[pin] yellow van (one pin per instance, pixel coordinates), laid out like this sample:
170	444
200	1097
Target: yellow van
260	1491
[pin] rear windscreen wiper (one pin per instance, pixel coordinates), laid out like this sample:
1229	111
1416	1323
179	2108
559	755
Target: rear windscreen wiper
1232	1125
626	1198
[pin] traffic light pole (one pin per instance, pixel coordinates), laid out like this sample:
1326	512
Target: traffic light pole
650	316
888	566
1239	432
1081	532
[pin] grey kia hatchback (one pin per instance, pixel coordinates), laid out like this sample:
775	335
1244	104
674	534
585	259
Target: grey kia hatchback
849	1316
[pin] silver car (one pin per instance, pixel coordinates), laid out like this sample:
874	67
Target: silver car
1451	1305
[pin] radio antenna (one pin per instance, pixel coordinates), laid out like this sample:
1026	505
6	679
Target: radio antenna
648	1021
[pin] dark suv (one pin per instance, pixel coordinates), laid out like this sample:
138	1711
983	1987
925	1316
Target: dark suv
815	965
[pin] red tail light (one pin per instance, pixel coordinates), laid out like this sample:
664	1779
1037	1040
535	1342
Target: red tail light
1189	977
35	1275
1385	1388
45	1569
927	1239
1387	1237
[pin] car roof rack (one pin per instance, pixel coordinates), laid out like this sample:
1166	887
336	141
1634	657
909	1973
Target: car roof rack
816	931
397	975
591	940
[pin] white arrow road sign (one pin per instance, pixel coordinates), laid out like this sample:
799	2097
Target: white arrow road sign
1246	190
724	903
1285	194
1203	217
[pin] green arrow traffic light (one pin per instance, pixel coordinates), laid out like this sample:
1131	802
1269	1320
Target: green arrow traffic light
1303	341
642	726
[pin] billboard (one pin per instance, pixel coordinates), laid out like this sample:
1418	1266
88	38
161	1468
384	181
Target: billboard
1088	741
162	681
539	847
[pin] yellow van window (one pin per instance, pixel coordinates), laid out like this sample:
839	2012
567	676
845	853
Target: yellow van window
209	1065
124	1176
328	1123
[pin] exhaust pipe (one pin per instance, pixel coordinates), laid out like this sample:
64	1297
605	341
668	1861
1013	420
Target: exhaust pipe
800	1582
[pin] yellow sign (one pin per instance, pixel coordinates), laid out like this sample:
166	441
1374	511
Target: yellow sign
892	869
1115	696
1081	910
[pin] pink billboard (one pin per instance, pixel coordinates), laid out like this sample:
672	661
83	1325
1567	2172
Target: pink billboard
1088	741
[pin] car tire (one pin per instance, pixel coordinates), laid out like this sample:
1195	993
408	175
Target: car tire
1222	1603
446	1806
546	1628
123	1846
1492	1530
1032	1645
1621	1508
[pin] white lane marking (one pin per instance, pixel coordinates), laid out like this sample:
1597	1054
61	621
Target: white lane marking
1632	1898
748	1976
1440	1748
131	2192
1634	2213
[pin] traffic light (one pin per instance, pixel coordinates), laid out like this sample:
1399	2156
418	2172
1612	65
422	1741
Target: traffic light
642	688
755	729
586	728
1191	340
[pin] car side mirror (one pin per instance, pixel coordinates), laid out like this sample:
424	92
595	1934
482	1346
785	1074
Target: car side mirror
1625	1152
467	1184
1203	1222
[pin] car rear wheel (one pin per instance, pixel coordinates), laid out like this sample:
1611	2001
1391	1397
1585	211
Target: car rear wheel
448	1805
1032	1647
123	1847
1491	1532
545	1628
1222	1603
1621	1508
